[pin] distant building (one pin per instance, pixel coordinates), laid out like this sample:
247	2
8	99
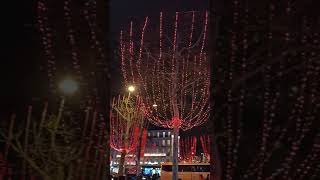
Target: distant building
158	149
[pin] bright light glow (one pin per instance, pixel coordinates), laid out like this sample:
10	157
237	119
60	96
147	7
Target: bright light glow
154	105
152	163
131	88
128	155
68	86
155	154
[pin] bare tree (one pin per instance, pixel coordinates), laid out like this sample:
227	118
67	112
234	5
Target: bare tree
167	60
54	147
127	118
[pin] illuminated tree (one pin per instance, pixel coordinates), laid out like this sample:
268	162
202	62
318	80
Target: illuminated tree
54	147
126	120
168	62
73	39
265	75
205	144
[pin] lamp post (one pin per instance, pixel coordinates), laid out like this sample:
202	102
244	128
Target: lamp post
132	88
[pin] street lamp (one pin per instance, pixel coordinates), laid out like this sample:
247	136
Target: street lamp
131	88
68	86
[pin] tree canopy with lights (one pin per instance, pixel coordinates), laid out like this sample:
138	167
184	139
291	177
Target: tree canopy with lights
126	122
166	59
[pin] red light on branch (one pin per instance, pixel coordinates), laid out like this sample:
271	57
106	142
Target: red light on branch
143	141
126	117
188	149
171	67
205	144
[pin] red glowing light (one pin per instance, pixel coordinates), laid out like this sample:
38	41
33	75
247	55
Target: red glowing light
126	117
188	148
172	73
205	144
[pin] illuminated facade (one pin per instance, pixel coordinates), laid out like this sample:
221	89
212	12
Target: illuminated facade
158	149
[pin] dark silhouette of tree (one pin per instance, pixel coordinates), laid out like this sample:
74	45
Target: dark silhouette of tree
73	37
57	146
265	71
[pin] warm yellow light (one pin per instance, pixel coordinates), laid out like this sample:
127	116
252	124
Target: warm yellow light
68	86
154	105
131	88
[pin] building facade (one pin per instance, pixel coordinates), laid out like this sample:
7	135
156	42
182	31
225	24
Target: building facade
158	149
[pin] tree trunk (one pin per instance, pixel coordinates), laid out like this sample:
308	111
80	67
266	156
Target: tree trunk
175	153
121	163
176	126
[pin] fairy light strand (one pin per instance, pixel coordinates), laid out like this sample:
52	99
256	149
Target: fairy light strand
72	39
154	76
230	142
205	144
188	149
47	43
125	119
90	15
301	126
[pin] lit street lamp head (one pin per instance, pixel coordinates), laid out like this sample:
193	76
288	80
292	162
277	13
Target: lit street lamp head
131	88
68	86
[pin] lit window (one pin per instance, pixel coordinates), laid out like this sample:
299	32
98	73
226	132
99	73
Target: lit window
158	134
163	142
164	134
168	142
149	134
169	133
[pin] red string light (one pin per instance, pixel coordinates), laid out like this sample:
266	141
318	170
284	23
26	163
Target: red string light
72	38
156	72
125	119
143	141
188	149
283	129
205	144
302	122
90	15
47	43
231	157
